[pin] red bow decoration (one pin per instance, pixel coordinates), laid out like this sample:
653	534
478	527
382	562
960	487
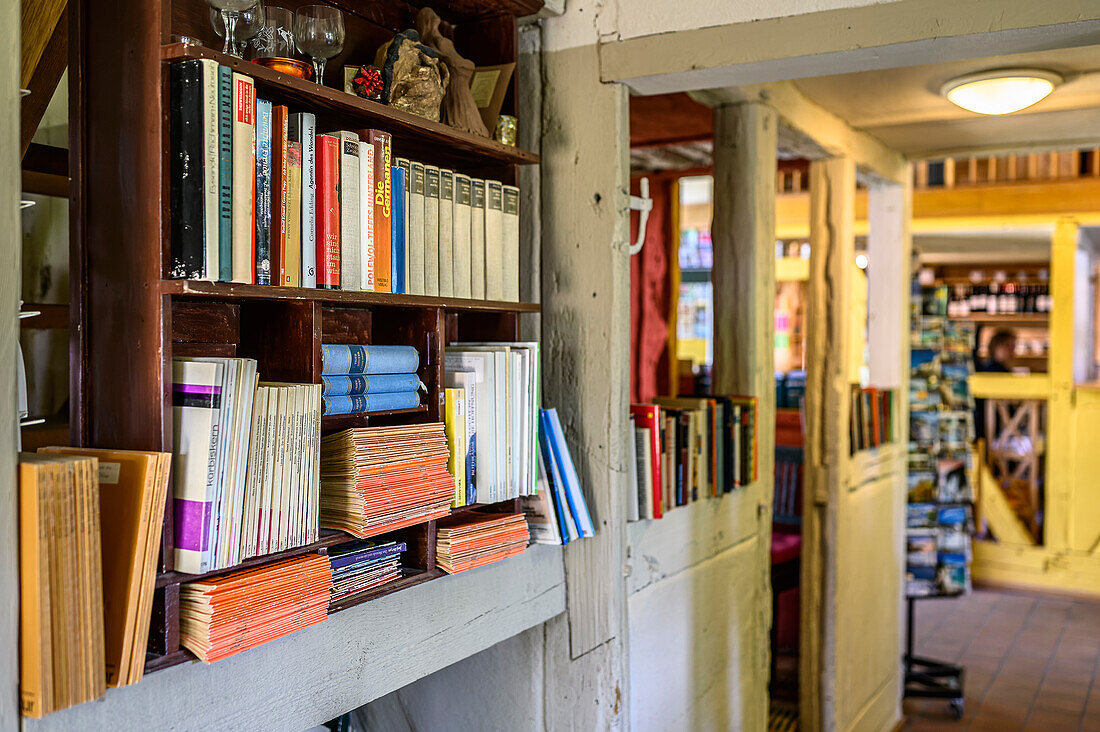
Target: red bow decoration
367	82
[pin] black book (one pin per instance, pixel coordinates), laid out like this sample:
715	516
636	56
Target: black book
188	197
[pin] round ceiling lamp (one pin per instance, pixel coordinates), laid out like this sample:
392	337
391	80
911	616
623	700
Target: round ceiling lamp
1001	91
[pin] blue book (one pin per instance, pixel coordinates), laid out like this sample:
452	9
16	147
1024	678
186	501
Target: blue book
367	552
263	192
380	384
578	508
339	359
365	403
397	232
225	173
569	531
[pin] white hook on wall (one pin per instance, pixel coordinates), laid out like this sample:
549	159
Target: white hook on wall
643	204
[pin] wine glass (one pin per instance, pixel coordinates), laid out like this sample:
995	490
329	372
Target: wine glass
230	12
249	24
319	34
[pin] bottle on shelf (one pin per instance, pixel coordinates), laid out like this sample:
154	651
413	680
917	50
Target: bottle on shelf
992	299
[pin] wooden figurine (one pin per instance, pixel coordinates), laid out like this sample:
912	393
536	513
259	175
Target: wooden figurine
413	77
459	109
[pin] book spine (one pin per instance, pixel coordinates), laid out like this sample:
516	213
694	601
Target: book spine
494	241
383	208
350	262
414	249
454	420
292	272
366	213
365	403
471	440
303	129
380	384
339	359
462	259
446	233
406	166
225	173
278	193
244	179
263	192
210	184
397	232
328	212
431	230
477	239
510	238
196	402
187	199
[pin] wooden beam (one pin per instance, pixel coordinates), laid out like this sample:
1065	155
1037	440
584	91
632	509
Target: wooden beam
1003	521
52	316
46	170
45	43
1060	481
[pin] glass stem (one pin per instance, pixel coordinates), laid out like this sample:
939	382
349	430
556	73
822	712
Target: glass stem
229	21
319	71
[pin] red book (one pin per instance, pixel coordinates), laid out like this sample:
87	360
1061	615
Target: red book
649	416
328	212
278	194
383	205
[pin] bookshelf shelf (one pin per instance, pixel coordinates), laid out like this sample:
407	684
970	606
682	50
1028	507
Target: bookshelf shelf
231	291
408	130
336	422
1036	319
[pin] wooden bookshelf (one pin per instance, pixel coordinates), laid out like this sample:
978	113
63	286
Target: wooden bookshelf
1032	319
128	320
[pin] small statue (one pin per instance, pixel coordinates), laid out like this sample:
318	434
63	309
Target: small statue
413	77
459	109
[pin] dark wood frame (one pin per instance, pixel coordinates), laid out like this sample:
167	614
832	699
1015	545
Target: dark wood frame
127	320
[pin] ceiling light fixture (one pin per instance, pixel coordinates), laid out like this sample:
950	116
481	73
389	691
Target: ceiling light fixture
1001	91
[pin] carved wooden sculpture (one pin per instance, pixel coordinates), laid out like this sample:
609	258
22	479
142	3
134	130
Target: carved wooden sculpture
413	77
459	109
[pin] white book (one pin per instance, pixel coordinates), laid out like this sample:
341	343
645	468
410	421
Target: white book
414	234
483	366
510	238
517	379
366	216
221	459
210	183
477	239
494	241
244	179
431	230
446	234
506	484
462	256
249	524
350	257
304	126
632	474
645	472
314	511
263	531
297	506
283	506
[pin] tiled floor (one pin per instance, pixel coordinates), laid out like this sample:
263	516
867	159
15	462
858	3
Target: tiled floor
1031	662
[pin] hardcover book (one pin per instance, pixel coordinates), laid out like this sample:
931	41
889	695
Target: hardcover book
383	207
414	243
462	258
344	359
210	169
244	179
278	193
292	271
477	239
187	121
446	233
263	192
350	252
366	216
494	241
406	167
225	174
431	230
328	212
302	129
397	231
510	242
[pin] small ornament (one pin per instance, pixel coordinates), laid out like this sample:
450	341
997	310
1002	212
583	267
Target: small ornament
368	83
506	130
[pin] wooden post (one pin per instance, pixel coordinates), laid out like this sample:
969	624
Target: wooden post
743	232
672	256
1058	516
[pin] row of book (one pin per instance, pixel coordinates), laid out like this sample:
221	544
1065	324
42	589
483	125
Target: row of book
260	197
89	533
246	463
558	512
362	566
472	540
689	448
357	379
871	417
496	429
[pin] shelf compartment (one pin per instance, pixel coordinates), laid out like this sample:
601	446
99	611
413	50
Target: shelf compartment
234	291
413	136
1020	318
337	422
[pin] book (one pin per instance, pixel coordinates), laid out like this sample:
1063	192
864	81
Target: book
348	192
263	192
292	269
210	169
361	566
397	263
366	403
648	416
225	174
366	216
644	445
431	230
383	207
510	242
328	212
277	228
462	258
302	129
578	507
446	233
632	474
406	168
379	384
194	132
414	245
470	541
482	366
542	515
477	239
467	381
494	241
343	359
454	409
244	179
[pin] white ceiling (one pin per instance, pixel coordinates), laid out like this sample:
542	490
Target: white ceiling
904	109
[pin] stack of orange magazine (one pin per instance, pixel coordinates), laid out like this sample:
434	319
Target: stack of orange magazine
223	615
476	539
378	479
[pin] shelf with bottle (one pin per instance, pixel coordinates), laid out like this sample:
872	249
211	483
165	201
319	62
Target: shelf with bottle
1000	300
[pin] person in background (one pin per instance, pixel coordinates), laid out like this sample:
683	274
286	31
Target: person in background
999	354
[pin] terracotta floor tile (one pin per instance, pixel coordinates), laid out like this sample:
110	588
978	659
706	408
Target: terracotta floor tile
1051	721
